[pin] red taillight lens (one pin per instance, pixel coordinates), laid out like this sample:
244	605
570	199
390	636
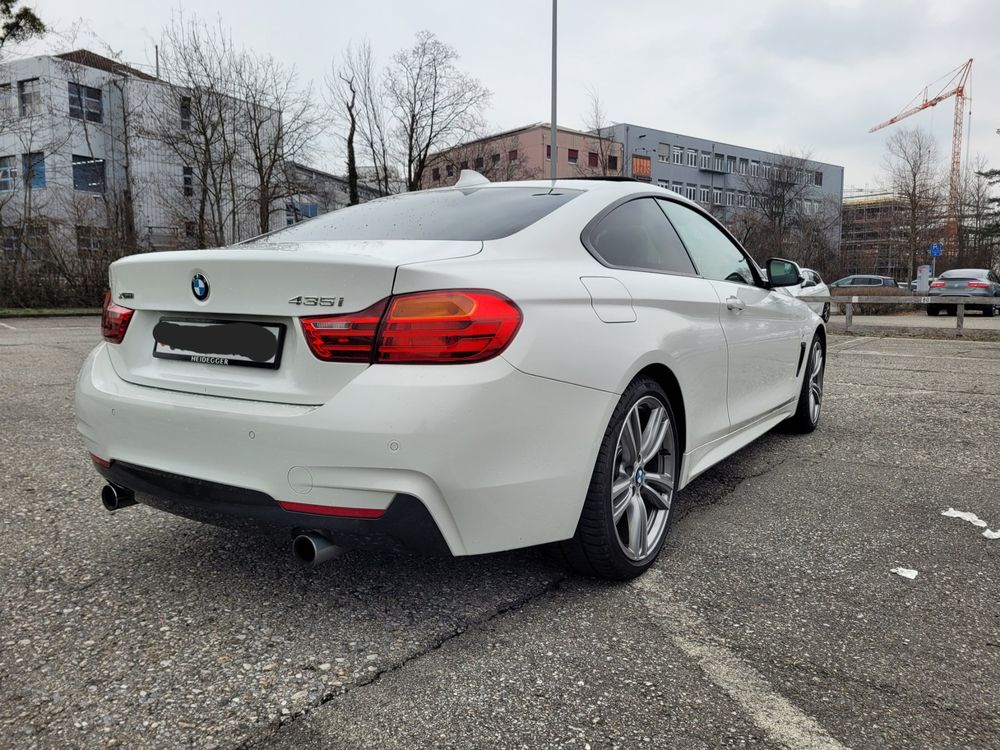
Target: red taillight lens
114	320
979	284
937	284
344	338
447	327
98	461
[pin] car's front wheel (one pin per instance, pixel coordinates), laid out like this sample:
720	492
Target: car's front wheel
626	513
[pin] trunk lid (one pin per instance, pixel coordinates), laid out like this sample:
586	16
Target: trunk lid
271	284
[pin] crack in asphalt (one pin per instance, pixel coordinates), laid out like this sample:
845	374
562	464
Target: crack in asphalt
265	733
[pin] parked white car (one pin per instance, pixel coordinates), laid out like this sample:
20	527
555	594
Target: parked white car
812	286
488	366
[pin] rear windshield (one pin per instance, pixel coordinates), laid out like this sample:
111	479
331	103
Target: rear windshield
458	214
965	273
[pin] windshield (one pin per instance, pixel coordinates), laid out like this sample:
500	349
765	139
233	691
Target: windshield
457	214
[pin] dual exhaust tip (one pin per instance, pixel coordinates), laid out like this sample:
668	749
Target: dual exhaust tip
309	548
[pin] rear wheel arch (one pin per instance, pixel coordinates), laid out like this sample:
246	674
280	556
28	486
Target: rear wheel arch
666	379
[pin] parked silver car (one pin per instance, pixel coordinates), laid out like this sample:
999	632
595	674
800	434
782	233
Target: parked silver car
965	282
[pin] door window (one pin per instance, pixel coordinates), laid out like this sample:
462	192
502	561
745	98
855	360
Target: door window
637	235
715	256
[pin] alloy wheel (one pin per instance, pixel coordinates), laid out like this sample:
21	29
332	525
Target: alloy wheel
642	484
816	372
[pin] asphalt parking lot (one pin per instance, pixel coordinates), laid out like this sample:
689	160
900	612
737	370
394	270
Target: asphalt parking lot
771	619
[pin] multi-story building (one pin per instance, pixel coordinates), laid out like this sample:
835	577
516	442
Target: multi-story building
524	154
730	180
873	235
316	192
94	153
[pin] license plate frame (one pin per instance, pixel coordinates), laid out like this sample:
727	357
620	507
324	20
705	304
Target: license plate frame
217	359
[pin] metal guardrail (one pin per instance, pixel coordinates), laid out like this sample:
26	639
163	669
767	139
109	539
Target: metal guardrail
959	302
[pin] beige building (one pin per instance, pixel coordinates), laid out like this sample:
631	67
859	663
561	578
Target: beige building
524	154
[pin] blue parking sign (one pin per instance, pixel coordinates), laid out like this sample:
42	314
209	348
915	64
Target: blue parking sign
936	250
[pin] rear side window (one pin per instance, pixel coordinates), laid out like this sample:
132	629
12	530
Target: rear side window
457	214
714	254
637	235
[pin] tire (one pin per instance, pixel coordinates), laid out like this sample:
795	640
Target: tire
933	310
808	410
826	313
603	546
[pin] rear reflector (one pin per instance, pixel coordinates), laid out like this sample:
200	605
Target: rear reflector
331	510
98	461
442	327
979	284
114	320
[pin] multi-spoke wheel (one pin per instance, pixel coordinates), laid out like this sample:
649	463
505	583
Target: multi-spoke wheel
810	404
627	511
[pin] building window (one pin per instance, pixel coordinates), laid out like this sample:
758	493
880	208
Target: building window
85	103
479	162
678	187
641	167
706	161
741	200
185	113
678	155
450	170
731	164
436	174
818	179
33	165
743	166
690	192
717	197
730	197
692	158
512	156
548	150
613	163
88	174
703	194
592	160
309	210
767	171
29	97
495	159
663	158
190	230
188	181
8	173
754	168
573	155
90	239
6	100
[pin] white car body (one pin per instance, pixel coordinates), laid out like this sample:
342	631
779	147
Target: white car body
812	286
499	452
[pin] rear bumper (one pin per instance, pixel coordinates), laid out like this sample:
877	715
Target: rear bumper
406	520
497	459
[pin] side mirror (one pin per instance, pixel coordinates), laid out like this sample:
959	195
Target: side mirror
782	272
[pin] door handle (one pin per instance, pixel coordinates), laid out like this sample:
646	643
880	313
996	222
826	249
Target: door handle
735	303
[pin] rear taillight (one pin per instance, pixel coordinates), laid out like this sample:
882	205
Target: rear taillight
114	320
344	338
442	327
979	284
937	284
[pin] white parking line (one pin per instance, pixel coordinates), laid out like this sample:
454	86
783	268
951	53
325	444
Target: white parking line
9	328
773	714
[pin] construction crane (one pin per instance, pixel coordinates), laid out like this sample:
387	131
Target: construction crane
954	86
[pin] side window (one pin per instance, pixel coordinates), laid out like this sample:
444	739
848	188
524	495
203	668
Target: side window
714	254
638	235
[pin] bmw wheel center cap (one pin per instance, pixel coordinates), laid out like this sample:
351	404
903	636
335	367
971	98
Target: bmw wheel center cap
199	287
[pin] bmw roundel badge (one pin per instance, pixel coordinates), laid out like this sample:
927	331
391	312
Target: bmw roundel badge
199	286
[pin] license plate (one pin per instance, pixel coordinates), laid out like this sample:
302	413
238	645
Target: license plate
218	342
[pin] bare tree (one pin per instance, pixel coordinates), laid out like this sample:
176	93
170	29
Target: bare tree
433	104
597	122
911	172
977	217
342	88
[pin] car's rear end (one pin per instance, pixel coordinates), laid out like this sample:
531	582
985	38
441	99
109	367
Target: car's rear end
291	383
970	283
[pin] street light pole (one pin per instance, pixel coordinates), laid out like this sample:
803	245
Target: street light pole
553	136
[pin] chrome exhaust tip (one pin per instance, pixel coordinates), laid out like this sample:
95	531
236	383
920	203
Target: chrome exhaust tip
314	549
115	498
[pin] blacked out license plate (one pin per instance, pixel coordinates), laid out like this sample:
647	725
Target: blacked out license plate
219	342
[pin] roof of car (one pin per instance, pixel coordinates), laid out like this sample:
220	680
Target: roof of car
966	271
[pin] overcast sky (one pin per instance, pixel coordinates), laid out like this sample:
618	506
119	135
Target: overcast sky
791	75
